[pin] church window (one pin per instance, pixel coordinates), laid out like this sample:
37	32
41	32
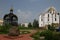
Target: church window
55	19
48	19
58	13
48	15
41	19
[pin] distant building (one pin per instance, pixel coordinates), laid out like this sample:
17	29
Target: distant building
48	17
10	18
24	24
1	22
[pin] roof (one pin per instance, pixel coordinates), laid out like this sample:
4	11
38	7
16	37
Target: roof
49	9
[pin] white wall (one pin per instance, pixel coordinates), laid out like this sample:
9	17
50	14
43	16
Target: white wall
45	21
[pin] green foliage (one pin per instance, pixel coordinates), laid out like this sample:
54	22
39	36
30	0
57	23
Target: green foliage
47	34
29	25
4	29
35	24
22	25
51	28
36	36
50	35
56	36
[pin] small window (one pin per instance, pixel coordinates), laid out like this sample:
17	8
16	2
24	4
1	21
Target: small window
55	19
58	13
48	15
41	24
48	19
41	19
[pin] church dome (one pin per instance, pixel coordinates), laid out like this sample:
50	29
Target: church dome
51	9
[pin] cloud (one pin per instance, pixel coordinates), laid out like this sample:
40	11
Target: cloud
23	16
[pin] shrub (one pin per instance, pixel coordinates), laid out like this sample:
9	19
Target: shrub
56	36
36	36
3	30
50	35
51	28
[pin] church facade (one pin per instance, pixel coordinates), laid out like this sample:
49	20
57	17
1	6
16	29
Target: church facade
49	17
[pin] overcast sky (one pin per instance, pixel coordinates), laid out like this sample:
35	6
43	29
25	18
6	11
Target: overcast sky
27	10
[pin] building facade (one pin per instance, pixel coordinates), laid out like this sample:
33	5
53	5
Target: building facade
24	24
1	22
49	17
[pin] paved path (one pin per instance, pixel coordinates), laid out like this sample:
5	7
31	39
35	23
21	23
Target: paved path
20	37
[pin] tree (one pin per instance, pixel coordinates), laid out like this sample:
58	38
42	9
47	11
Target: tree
51	28
35	24
29	25
23	25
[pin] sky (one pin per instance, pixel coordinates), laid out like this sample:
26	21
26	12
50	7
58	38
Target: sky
27	10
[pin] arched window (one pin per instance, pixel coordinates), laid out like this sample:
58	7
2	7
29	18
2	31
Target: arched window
48	17
55	17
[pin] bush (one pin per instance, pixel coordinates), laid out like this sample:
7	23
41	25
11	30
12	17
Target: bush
3	30
36	36
50	35
51	28
56	36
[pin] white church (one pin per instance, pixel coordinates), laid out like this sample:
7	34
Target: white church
48	17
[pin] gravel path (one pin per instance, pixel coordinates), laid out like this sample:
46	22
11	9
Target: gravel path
20	37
